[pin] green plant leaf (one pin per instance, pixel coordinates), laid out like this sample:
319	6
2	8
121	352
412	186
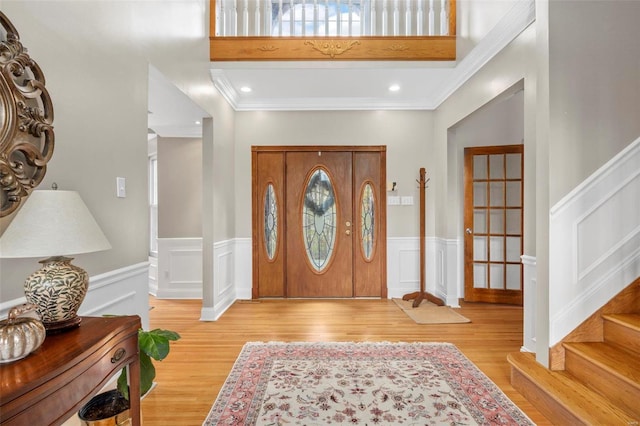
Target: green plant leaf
153	344
147	373
123	386
170	335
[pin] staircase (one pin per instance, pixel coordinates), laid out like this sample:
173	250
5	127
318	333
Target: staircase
600	383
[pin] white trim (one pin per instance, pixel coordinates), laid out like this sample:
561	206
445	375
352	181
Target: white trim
124	289
403	267
6	306
107	307
225	285
179	269
519	17
153	275
529	303
590	258
224	86
232	275
243	271
624	157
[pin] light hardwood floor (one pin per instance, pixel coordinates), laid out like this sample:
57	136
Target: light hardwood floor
198	364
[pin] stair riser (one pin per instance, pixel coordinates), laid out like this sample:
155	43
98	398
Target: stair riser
546	404
622	393
622	336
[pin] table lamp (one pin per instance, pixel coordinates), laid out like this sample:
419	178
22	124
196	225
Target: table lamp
52	225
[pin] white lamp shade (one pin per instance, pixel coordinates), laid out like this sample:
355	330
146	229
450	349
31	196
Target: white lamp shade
52	223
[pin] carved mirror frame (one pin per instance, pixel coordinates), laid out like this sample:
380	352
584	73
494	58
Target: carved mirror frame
26	117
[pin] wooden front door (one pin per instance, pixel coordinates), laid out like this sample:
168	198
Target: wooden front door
493	213
319	222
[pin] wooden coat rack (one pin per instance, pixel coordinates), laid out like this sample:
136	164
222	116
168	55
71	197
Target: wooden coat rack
419	296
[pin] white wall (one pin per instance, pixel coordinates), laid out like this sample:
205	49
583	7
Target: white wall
407	135
512	65
99	98
594	87
456	125
476	18
179	187
95	57
593	99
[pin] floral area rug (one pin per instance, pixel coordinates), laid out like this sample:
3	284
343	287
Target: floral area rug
359	384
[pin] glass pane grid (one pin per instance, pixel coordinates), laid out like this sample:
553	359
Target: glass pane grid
499	186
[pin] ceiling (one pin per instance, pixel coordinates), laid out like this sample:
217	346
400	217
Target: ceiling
331	85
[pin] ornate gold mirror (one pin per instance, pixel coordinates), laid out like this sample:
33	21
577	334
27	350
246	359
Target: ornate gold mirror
26	117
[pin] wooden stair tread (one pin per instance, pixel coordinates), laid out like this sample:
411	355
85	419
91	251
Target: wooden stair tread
572	395
630	320
616	361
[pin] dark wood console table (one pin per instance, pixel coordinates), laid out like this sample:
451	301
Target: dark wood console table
51	384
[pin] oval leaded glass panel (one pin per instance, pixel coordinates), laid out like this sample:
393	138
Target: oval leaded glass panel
319	219
270	221
367	220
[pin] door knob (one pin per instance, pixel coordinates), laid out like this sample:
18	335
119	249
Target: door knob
468	231
348	231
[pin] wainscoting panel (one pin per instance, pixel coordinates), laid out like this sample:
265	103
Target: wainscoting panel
122	291
232	271
403	267
179	274
594	242
243	268
153	275
224	286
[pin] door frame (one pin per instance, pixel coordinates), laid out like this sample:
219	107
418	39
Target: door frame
257	205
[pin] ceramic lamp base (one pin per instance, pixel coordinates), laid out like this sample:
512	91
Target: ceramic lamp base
57	289
60	326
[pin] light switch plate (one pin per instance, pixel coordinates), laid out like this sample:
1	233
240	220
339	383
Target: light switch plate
407	200
121	187
393	201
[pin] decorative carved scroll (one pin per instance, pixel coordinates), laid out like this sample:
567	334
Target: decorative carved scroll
332	47
26	117
268	48
398	47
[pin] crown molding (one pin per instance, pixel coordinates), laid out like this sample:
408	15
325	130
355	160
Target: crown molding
224	86
519	17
